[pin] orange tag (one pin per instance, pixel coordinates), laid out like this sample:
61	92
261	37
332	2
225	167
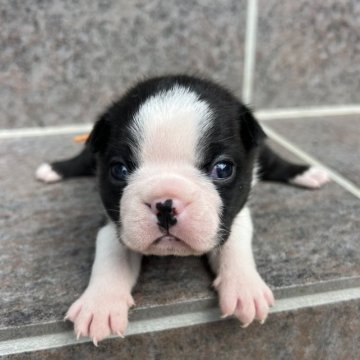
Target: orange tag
81	138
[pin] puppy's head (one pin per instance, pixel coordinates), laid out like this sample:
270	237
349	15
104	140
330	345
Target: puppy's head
175	164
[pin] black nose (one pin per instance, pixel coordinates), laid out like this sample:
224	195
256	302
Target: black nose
165	214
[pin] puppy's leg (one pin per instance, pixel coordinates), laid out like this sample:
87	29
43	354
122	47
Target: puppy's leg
242	292
103	307
82	164
273	168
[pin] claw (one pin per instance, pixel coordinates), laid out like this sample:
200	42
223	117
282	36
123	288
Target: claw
95	342
245	325
78	335
120	334
262	321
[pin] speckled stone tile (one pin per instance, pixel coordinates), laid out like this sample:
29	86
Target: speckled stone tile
48	232
134	347
334	140
308	53
304	236
63	61
329	332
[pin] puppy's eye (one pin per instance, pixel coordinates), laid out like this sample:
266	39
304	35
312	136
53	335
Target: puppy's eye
119	171
222	170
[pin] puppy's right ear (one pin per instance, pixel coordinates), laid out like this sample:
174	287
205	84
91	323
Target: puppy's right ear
99	135
251	132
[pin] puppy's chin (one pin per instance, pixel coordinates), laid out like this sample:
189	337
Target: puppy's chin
165	245
166	248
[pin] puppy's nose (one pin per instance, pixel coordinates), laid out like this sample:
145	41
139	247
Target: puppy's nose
166	211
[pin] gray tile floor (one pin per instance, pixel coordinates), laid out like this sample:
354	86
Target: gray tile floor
305	241
333	140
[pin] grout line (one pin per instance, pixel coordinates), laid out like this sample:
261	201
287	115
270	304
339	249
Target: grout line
250	50
263	115
305	112
66	338
335	176
44	131
183	307
211	315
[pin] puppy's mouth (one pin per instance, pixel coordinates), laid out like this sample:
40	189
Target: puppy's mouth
166	238
169	244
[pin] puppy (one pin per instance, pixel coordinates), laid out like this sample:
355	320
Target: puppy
176	158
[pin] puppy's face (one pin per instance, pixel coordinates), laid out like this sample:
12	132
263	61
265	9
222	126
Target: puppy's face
175	163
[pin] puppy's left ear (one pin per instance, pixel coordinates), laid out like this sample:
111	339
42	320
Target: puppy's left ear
99	135
251	132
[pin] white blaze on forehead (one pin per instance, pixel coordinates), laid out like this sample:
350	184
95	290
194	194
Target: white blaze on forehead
170	126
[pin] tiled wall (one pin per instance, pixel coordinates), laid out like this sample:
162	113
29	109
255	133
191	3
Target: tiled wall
62	61
308	53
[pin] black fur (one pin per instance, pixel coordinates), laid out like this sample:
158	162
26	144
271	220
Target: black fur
236	134
275	168
83	164
165	215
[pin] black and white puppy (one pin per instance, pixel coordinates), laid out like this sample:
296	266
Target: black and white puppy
176	158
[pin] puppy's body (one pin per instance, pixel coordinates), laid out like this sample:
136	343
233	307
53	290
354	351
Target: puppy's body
175	159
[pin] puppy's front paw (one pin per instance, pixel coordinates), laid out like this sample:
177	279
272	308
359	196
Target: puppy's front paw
244	295
99	313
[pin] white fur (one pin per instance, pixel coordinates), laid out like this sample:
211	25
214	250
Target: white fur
241	290
313	178
46	174
103	307
171	125
255	174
